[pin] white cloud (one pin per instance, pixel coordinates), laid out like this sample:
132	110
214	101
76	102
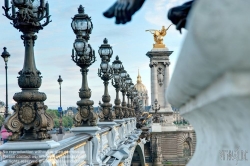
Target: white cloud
159	9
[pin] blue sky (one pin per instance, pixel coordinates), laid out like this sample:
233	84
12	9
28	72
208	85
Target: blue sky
54	44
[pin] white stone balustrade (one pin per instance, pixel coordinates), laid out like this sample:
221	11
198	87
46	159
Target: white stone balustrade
83	149
211	82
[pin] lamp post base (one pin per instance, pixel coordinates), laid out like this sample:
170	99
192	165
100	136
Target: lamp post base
109	124
89	130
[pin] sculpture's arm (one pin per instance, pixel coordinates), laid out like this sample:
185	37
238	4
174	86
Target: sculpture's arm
169	27
151	31
123	10
178	15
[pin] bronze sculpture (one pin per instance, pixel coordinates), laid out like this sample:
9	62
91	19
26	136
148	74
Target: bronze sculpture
123	10
178	15
158	36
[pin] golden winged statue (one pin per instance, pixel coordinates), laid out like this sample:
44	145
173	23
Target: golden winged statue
158	36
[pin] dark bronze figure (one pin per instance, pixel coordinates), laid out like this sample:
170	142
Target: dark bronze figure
178	15
123	10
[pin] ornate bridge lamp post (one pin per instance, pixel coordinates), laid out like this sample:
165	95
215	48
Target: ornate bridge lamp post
131	97
116	82
6	56
128	82
106	73
124	90
156	108
60	83
134	100
84	56
30	120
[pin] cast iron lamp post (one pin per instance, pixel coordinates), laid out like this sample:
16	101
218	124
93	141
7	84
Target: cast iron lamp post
29	120
6	56
84	56
106	73
124	90
60	83
134	100
128	82
116	82
131	97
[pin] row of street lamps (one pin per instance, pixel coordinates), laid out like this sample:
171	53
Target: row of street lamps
6	56
30	118
84	56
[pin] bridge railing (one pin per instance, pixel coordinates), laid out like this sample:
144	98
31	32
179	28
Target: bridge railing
109	146
210	83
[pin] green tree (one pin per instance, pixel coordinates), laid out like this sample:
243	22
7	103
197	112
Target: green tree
69	121
56	123
1	120
53	113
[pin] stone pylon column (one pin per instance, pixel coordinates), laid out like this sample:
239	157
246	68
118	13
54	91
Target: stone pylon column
159	64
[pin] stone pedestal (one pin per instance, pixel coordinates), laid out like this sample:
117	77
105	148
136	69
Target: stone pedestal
159	64
26	151
89	130
156	127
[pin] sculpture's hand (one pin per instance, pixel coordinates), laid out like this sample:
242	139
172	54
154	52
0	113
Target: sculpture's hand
123	10
178	15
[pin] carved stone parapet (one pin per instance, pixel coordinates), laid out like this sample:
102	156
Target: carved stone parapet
29	79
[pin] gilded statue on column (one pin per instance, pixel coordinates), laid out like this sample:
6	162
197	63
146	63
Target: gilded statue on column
158	36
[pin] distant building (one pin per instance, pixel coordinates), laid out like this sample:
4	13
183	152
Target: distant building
71	111
142	91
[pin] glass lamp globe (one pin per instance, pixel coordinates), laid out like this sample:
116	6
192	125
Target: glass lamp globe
105	51
104	67
5	55
60	80
88	52
128	80
131	85
81	23
117	77
117	64
123	74
79	46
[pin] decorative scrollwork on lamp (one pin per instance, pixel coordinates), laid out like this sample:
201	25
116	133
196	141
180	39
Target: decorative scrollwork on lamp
29	120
